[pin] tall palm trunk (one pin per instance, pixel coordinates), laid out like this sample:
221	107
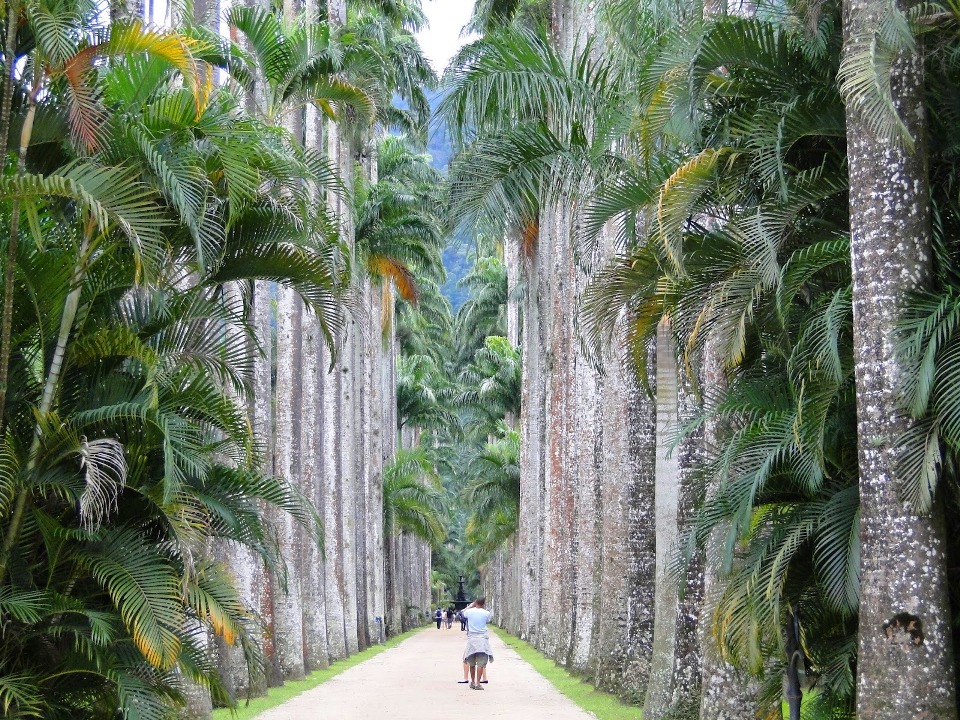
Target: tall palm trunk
331	509
725	693
532	446
262	414
388	379
313	475
589	433
668	481
558	505
245	565
287	609
623	626
312	566
12	10
905	662
392	618
361	435
341	156
373	525
377	432
10	266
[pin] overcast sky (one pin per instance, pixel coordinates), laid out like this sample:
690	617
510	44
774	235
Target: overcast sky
441	40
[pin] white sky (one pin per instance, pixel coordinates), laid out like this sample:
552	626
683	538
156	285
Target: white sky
441	40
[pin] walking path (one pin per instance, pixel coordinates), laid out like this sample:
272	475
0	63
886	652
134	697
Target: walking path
417	680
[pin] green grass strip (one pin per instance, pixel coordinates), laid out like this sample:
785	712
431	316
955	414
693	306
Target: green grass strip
276	696
602	704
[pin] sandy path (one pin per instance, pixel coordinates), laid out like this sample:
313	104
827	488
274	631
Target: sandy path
417	680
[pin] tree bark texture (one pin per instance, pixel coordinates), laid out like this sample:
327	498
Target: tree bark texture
580	568
261	410
312	565
905	661
725	693
674	677
287	608
334	590
341	157
667	493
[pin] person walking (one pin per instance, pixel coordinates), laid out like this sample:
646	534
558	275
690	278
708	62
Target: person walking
477	652
438	616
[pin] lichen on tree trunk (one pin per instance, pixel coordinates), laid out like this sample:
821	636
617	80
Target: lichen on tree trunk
905	662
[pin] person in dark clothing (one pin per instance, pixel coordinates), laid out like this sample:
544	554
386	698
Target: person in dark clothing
463	621
438	616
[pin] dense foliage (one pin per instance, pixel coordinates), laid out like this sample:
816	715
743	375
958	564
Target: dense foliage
716	146
127	343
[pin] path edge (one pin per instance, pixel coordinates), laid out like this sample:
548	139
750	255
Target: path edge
278	695
600	704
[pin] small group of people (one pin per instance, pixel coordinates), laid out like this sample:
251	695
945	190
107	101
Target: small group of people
446	617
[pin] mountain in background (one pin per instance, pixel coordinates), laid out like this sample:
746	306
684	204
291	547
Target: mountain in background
457	255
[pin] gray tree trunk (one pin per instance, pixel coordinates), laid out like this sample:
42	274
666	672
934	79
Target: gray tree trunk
668	485
287	608
905	659
624	626
393	611
726	694
374	521
582	563
330	509
263	429
532	445
590	428
340	614
341	156
313	468
361	447
312	565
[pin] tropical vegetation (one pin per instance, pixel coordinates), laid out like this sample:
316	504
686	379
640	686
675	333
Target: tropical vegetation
696	162
694	430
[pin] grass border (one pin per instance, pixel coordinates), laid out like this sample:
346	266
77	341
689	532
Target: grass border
603	705
278	695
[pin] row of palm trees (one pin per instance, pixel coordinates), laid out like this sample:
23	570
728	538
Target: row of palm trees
752	208
190	219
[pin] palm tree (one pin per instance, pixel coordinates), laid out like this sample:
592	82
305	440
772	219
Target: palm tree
398	232
422	392
492	494
384	56
142	409
483	315
491	386
145	388
413	497
412	504
715	283
891	249
298	62
49	60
